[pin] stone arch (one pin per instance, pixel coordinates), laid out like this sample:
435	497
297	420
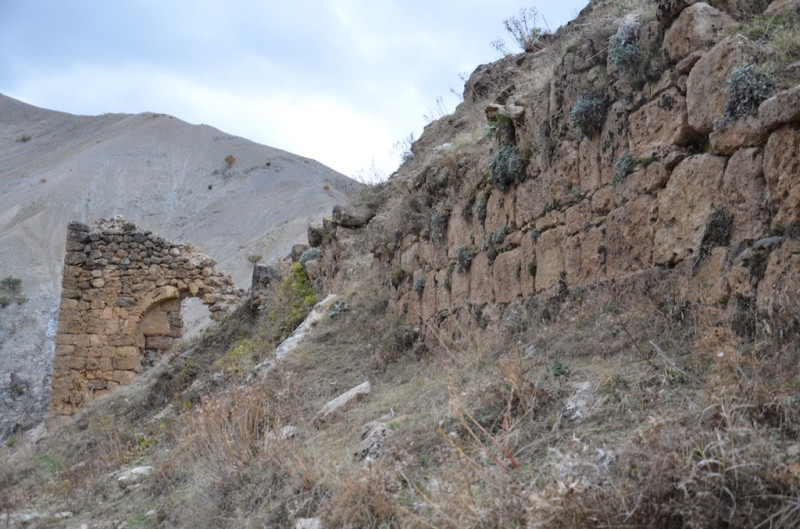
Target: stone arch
159	325
120	298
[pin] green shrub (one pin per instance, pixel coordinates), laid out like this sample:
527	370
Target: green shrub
295	298
497	237
463	259
5	301
746	88
588	114
11	283
623	47
419	284
502	129
479	209
625	166
438	225
253	257
309	255
506	167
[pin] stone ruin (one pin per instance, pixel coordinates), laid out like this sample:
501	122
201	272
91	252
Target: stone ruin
120	307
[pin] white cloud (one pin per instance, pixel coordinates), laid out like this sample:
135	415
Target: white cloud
335	80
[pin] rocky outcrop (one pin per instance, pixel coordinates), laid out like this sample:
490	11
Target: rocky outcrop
120	307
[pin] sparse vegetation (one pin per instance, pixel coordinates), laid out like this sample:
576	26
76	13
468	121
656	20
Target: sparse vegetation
479	209
255	258
523	29
588	114
623	47
746	88
10	283
419	284
621	397
403	147
505	168
625	166
438	226
230	160
502	129
463	259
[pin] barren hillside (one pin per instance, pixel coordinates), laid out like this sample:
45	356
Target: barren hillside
156	171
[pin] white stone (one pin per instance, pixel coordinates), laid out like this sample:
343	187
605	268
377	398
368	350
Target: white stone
343	400
133	476
308	523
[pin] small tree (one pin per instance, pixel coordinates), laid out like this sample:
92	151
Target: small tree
254	258
230	160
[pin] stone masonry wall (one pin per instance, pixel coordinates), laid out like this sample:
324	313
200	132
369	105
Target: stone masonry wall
120	306
664	185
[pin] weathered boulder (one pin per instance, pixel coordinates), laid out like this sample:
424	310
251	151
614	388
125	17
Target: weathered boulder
514	112
133	477
698	27
297	250
781	108
705	102
745	132
373	435
782	7
352	216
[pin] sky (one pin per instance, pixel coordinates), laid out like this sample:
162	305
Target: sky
339	81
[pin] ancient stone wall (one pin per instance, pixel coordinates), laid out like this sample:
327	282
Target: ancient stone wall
120	306
668	182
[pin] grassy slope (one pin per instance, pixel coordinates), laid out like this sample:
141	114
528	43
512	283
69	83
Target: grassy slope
574	421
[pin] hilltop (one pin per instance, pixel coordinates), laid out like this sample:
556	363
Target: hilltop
575	304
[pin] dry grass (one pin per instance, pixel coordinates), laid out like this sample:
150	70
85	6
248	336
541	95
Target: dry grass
574	421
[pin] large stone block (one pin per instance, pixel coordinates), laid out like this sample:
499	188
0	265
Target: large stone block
629	231
161	343
685	207
783	107
705	99
550	257
661	124
782	173
743	193
506	276
698	27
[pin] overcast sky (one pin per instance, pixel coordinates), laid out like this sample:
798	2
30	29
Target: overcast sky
339	81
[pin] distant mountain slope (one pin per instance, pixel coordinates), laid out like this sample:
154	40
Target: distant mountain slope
157	171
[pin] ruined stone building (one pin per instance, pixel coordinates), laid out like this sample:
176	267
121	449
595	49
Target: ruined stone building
120	306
